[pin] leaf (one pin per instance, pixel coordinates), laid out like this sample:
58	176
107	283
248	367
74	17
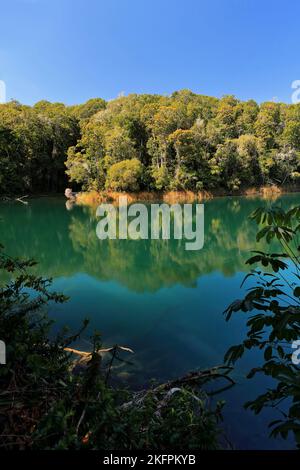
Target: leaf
254	259
246	277
268	353
297	291
262	233
253	372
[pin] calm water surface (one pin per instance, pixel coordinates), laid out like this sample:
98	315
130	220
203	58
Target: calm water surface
164	302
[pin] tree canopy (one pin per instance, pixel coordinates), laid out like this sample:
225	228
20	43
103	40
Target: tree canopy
184	141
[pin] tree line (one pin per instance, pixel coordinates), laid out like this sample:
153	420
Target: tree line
184	141
34	142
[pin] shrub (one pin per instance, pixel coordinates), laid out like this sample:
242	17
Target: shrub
125	175
161	178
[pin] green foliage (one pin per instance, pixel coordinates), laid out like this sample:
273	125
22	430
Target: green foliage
88	109
273	317
33	146
161	177
85	163
185	141
125	175
191	142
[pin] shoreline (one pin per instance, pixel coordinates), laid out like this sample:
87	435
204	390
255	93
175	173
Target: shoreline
92	198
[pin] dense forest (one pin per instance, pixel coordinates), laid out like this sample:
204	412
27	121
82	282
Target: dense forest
149	142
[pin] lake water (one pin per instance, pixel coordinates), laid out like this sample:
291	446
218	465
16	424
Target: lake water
162	301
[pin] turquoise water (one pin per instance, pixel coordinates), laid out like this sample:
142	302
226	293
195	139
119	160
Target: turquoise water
152	295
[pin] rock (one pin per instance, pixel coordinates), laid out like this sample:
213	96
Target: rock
70	194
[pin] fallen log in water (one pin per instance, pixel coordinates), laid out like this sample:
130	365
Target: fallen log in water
192	379
18	199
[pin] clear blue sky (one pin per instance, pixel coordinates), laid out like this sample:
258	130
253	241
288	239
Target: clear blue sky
71	50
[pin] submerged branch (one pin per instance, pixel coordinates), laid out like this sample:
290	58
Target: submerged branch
198	378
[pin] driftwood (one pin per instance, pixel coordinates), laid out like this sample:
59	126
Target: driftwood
191	379
163	392
86	356
202	377
18	199
198	378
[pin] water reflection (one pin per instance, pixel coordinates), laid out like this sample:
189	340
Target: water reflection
164	302
65	243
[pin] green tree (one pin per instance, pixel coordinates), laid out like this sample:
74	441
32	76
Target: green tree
184	141
85	163
268	124
88	109
291	134
236	163
125	176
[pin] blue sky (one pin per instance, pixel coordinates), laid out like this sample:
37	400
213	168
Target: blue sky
72	50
